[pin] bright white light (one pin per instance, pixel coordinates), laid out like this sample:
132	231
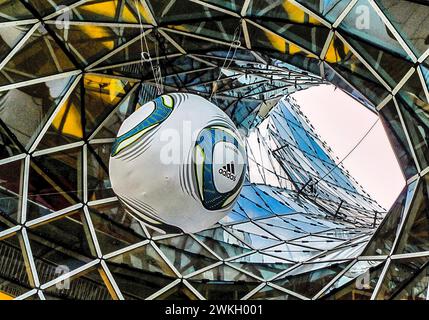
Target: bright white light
341	121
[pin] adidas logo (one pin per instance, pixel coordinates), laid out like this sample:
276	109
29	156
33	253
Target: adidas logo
228	171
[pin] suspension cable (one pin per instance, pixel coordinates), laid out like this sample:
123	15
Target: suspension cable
350	152
235	43
145	55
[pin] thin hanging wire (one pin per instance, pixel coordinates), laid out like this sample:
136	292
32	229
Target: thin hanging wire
350	152
145	55
235	43
158	67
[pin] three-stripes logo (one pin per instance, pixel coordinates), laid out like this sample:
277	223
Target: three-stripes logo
228	171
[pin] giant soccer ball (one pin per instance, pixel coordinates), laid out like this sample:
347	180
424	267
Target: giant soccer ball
178	163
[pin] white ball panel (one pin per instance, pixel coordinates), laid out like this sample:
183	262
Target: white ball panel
165	188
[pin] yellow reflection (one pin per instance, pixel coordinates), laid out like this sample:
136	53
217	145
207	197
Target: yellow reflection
115	88
4	296
105	92
276	41
283	46
180	27
110	8
95	32
68	120
295	14
336	49
109	89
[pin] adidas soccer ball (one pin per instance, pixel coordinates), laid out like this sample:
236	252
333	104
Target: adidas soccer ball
178	163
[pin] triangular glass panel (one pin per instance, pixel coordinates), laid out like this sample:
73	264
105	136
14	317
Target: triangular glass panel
292	252
55	179
234	216
251	239
99	186
222	243
345	63
10	36
26	64
35	103
413	92
253	228
358	283
87	285
112	11
9	144
306	223
363	22
280	228
276	205
140	273
271	41
416	289
102	96
113	236
416	119
277	47
310	279
14	280
382	241
186	254
114	213
330	10
293	23
223	283
61	246
111	127
137	69
67	126
155	45
395	132
382	61
227	29
399	274
249	193
285	11
193	44
11	175
261	265
251	209
88	42
399	13
414	236
184	67
168	11
343	233
48	7
13	10
319	243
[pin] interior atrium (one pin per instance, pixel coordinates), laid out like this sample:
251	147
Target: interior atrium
303	228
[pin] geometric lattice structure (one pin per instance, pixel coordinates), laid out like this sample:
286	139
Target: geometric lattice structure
70	73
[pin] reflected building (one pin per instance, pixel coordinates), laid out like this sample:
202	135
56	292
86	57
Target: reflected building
303	228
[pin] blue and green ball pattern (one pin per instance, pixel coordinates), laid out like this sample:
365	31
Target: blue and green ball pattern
205	143
163	108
